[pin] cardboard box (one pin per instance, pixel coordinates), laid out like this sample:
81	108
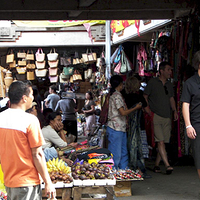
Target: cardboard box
122	188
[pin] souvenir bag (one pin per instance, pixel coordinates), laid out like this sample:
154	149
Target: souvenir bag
92	80
30	75
21	70
77	76
53	64
64	78
30	66
89	57
21	62
53	79
30	55
39	55
65	61
118	68
125	64
89	73
52	56
114	55
40	72
13	64
40	65
21	54
68	71
10	57
53	71
103	118
118	56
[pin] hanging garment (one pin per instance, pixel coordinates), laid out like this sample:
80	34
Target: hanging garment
134	139
141	57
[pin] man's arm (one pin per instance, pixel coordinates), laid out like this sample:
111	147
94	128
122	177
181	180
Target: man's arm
173	106
191	133
40	164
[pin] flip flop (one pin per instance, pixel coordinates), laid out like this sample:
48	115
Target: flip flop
169	171
156	169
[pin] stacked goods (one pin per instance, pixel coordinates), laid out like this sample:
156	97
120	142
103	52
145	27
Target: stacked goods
92	171
58	171
126	175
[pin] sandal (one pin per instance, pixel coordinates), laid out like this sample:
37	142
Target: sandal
168	170
156	169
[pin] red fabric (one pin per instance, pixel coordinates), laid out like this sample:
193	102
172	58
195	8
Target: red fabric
149	129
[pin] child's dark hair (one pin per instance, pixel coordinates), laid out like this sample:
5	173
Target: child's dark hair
115	81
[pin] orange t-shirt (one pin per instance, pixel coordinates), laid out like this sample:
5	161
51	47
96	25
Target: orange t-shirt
19	132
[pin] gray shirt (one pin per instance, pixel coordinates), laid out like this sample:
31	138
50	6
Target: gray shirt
52	101
51	138
67	106
159	97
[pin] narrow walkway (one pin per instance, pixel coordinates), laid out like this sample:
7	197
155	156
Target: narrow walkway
182	184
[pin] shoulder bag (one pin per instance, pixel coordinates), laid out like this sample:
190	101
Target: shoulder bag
52	56
39	55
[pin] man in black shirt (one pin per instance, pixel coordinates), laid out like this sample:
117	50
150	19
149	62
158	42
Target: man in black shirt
191	110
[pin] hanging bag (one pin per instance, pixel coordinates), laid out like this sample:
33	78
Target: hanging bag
68	71
40	72
29	55
21	54
53	79
125	64
10	57
21	70
30	66
118	56
40	65
53	71
52	56
89	57
77	76
39	55
118	68
13	64
21	62
53	64
30	75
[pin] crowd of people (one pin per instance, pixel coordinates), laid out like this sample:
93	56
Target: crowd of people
30	139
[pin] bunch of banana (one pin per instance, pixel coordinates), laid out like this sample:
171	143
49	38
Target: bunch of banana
58	165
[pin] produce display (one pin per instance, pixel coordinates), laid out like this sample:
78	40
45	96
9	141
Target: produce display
126	174
58	171
92	171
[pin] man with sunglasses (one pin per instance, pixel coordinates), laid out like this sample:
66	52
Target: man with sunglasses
159	95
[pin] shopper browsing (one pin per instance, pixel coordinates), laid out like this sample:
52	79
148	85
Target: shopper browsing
89	110
52	99
159	95
116	126
191	109
21	154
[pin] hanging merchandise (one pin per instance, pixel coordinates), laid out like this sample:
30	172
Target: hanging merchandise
118	68
92	79
21	70
21	62
68	71
89	57
53	64
30	75
10	57
89	73
40	72
39	55
141	57
64	78
65	61
52	56
77	76
53	79
30	55
21	54
13	64
125	64
30	66
53	71
40	65
118	55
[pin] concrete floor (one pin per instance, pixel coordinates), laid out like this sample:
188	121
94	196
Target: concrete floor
182	184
